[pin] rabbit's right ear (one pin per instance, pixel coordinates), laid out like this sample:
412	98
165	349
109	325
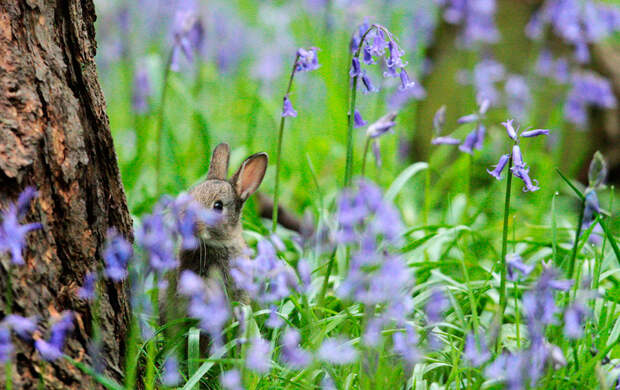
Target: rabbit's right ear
218	168
250	175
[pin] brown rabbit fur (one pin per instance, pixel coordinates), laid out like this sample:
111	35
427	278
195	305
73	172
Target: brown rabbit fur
223	242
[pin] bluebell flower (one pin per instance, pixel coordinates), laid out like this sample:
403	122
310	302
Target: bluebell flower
512	133
266	278
358	121
467	119
517	157
534	133
470	142
189	218
287	108
382	125
190	284
116	255
577	23
379	44
405	345
485	75
394	60
477	18
6	347
445	141
305	274
327	383
51	349
588	89
258	357
439	119
87	291
372	333
337	350
545	63
519	168
574	318
497	171
367	56
356	69
292	354
476	352
141	90
436	305
405	82
157	239
274	321
188	33
518	96
514	263
231	380
307	60
171	376
12	233
24	327
369	87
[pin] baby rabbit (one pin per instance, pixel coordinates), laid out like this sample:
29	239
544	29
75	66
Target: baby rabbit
223	242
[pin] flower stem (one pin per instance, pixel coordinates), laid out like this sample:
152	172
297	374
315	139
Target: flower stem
160	124
365	155
502	283
573	257
348	170
276	192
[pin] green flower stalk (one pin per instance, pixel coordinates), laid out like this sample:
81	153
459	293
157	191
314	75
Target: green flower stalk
519	169
383	44
305	61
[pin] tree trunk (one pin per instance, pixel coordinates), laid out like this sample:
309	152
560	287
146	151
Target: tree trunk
55	136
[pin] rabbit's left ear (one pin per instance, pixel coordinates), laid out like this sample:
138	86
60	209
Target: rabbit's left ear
249	176
218	168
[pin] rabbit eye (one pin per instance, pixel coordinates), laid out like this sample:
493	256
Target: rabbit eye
218	205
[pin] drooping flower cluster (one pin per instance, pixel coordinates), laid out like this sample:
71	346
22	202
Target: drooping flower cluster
524	368
579	23
519	168
207	303
187	32
374	42
306	60
12	233
376	277
474	140
141	90
117	253
546	66
477	18
587	89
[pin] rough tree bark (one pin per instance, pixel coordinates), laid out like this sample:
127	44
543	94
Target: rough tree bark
54	135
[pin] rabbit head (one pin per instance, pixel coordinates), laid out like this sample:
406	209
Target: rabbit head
227	197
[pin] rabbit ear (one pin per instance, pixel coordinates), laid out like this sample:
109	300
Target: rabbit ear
218	168
250	175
